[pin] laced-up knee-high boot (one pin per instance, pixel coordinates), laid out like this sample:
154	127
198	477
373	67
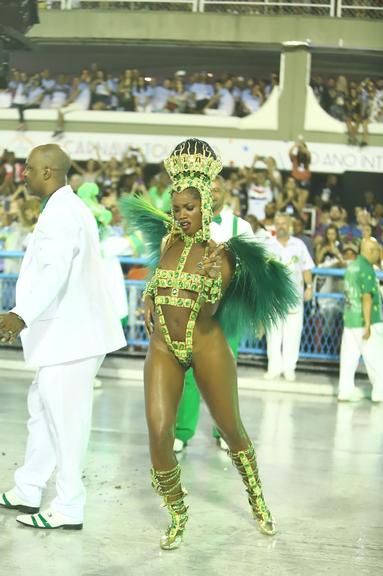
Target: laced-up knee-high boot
246	464
168	485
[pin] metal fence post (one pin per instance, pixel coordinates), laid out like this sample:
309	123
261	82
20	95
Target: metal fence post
339	9
201	5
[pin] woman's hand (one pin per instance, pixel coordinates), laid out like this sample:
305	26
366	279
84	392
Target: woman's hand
212	263
149	315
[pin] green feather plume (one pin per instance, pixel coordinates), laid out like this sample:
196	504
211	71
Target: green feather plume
143	216
260	293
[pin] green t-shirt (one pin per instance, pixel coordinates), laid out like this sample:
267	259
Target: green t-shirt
161	201
360	279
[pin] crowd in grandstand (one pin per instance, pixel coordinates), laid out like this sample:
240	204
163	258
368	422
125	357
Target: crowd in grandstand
256	192
131	91
355	103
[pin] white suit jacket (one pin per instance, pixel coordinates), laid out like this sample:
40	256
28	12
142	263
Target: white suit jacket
61	292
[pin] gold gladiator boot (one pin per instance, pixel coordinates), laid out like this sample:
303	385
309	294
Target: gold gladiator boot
168	485
246	464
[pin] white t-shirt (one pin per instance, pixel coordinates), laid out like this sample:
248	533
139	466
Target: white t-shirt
202	91
295	256
59	96
33	95
258	197
160	97
253	103
226	101
83	98
20	96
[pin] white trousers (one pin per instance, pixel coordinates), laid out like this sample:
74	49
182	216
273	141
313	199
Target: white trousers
352	348
60	402
283	342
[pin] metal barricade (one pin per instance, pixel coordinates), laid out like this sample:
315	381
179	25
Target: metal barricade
134	5
359	9
271	7
333	8
322	323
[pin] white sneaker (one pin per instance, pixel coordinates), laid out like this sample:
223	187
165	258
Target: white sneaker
179	445
11	501
49	520
222	444
290	376
355	396
271	375
97	384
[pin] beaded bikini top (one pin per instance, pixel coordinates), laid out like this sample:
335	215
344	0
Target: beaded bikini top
207	290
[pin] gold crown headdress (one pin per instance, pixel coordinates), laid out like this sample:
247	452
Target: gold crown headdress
193	164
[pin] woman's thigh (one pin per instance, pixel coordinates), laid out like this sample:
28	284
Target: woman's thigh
215	371
163	380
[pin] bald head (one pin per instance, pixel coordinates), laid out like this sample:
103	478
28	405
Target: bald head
371	250
53	157
46	169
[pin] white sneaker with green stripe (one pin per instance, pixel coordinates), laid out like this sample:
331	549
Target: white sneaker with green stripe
11	501
48	520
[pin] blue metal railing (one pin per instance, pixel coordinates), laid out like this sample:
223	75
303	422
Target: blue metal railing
322	325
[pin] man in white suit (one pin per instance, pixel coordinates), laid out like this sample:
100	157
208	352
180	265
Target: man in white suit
67	323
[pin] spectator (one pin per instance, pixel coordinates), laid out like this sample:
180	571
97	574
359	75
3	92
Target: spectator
298	228
258	191
60	92
32	97
369	201
318	87
100	92
159	192
142	94
93	169
377	221
353	116
78	100
178	101
201	92
289	201
48	84
284	338
161	95
252	102
272	83
268	221
301	159
329	95
222	103
331	189
126	94
338	106
330	249
363	325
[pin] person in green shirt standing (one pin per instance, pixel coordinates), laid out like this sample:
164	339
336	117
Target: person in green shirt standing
363	325
225	225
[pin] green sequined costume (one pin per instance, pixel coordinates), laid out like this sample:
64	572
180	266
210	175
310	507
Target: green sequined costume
259	293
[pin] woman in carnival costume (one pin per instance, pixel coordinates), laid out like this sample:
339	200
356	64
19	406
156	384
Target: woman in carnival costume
199	292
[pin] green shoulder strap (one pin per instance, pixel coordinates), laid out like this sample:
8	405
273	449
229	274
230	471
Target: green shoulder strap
235	226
